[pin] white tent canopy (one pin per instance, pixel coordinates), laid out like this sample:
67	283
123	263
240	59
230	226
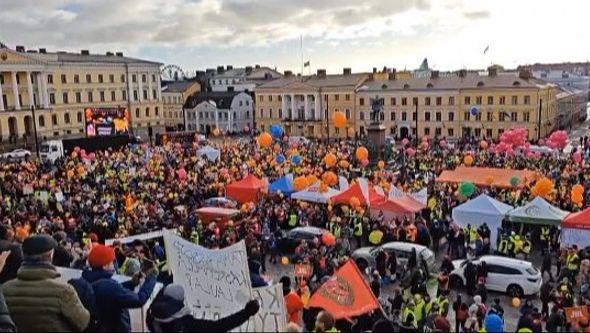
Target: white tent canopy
211	153
480	210
313	194
538	211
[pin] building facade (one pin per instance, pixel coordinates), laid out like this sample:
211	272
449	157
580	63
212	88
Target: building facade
230	112
305	105
174	96
463	105
61	85
241	79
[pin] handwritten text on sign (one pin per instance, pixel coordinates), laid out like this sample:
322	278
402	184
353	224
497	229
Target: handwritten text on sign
272	314
216	282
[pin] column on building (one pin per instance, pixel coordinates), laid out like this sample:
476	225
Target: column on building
129	90
229	127
196	118
140	92
159	88
306	108
318	112
149	80
15	91
284	106
2	106
216	117
30	89
40	90
293	111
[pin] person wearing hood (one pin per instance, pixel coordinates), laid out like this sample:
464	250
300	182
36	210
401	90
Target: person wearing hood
255	278
113	299
493	322
168	313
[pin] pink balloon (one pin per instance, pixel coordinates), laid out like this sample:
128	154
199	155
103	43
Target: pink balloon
365	162
257	156
405	141
77	149
577	157
181	174
443	143
541	142
410	152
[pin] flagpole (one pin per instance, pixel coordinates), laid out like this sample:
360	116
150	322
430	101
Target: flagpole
301	52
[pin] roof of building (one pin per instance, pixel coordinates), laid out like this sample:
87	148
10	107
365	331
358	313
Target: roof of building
71	57
222	99
500	80
339	80
241	72
177	86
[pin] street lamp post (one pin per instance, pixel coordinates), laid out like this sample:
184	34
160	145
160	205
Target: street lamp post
416	139
35	131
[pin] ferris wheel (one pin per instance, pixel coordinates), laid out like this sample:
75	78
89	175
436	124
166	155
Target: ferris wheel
172	73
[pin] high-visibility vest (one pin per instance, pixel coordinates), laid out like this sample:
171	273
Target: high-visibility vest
526	248
293	220
503	247
407	312
572	263
443	303
544	233
335	229
518	244
428	307
195	237
473	234
419	310
358	228
525	330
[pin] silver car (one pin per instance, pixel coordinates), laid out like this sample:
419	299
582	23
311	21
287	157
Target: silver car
365	256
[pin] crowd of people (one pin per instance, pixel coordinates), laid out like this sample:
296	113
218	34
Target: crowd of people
59	215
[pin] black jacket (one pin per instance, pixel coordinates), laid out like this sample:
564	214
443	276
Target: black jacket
169	315
13	262
6	323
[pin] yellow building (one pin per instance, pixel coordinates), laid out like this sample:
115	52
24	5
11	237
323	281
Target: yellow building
462	105
305	105
61	85
174	95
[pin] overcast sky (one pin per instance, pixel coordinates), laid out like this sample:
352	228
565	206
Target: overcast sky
196	34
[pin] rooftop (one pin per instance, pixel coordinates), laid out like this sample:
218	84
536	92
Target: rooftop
339	80
177	86
222	99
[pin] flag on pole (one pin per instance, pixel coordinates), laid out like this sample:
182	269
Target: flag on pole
306	64
486	49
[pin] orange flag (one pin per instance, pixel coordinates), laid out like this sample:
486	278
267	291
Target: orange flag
346	294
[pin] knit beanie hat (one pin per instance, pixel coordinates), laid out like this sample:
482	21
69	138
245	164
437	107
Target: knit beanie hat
100	255
175	291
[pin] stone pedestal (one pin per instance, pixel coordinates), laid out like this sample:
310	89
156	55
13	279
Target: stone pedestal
376	135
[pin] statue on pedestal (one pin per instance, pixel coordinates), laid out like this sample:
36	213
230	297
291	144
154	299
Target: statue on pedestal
377	109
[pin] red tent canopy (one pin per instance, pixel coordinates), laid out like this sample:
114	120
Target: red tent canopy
579	220
401	205
355	191
246	190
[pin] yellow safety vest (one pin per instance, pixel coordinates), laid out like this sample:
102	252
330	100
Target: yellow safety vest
503	247
518	244
293	220
544	233
442	304
407	312
358	228
571	262
526	248
418	310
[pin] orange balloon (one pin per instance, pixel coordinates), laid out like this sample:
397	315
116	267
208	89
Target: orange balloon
362	153
344	164
339	119
381	164
311	179
543	187
577	197
354	202
300	183
330	160
351	132
216	132
578	188
468	160
265	140
330	178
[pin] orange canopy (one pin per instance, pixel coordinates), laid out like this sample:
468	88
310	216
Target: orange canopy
482	176
355	191
346	294
246	190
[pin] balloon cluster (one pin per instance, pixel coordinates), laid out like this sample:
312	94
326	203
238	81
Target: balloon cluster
512	139
577	194
543	187
557	140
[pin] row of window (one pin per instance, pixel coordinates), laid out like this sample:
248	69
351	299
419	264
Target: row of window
221	115
451	100
280	97
227	81
101	96
67	119
99	78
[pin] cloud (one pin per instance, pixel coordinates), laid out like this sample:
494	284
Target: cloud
476	15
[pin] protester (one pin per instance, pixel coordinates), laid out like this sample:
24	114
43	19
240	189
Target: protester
293	301
36	300
15	257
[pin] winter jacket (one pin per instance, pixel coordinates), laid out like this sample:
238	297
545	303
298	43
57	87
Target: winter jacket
13	262
114	298
6	323
38	302
169	315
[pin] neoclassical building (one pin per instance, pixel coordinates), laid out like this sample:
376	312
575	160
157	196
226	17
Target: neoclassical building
227	111
60	85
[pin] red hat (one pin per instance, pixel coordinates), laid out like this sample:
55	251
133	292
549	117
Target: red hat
101	255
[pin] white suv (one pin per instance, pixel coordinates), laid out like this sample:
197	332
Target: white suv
516	277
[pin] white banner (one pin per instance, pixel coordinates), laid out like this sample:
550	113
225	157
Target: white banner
272	316
573	236
216	282
146	236
136	316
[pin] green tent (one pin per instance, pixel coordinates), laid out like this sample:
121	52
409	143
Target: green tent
539	212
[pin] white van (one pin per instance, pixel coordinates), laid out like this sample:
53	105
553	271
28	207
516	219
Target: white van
51	150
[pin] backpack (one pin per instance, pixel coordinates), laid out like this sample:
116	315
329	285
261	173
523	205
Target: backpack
85	291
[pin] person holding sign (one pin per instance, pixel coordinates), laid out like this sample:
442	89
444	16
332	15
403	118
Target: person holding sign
168	313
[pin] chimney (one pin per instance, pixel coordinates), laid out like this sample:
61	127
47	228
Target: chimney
524	74
20	48
84	52
229	67
347	71
321	73
434	74
462	73
393	74
288	73
220	70
371	77
110	54
43	50
210	71
492	71
248	69
257	66
119	54
374	70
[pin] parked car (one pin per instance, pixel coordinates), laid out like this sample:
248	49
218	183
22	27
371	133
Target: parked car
365	256
513	276
17	154
292	238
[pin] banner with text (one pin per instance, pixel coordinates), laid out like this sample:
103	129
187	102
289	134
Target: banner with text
272	316
216	282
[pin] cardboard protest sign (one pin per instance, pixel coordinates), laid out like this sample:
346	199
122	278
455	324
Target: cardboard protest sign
144	236
216	282
272	315
576	314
